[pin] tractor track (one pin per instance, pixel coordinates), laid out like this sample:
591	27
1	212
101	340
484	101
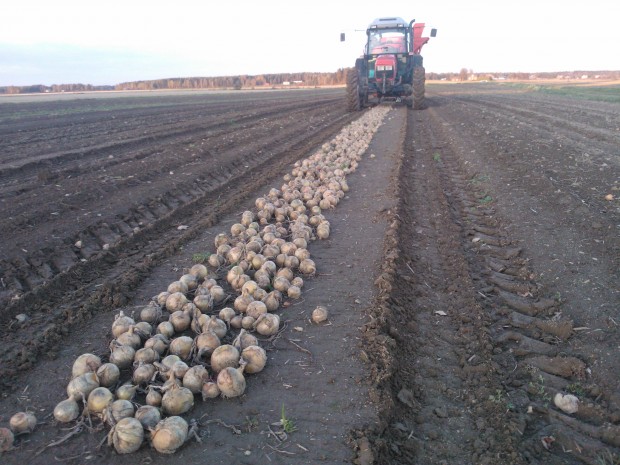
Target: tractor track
490	348
62	287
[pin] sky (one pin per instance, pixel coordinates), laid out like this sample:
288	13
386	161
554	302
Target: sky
105	43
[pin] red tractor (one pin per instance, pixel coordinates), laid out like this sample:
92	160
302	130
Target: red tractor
391	67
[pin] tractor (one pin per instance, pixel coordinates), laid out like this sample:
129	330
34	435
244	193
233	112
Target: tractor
391	67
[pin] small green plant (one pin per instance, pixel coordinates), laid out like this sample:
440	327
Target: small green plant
437	156
538	387
251	423
286	423
577	389
201	257
498	397
486	199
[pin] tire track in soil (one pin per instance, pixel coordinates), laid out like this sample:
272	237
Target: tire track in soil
466	355
108	278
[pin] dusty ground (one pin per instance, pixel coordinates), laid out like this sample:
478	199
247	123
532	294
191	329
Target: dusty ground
472	271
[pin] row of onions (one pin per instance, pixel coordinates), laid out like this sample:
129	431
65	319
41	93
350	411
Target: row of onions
202	336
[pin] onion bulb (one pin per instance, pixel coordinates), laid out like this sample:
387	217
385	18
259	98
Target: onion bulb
169	434
108	375
144	373
244	340
199	270
118	410
126	436
153	398
205	343
121	324
179	369
6	439
226	314
122	356
224	356
178	286
566	402
218	294
130	338
247	322
231	382
165	328
66	410
159	343
267	324
126	392
235	322
214	324
146	355
255	309
181	346
22	423
175	301
79	388
85	363
256	358
319	314
190	281
293	292
204	302
180	321
307	266
177	400
98	400
151	313
194	378
210	390
148	416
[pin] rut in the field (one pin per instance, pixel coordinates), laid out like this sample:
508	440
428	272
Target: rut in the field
470	354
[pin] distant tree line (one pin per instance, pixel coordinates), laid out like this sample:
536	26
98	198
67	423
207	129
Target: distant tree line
306	79
240	82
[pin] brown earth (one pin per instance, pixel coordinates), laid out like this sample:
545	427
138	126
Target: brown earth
472	271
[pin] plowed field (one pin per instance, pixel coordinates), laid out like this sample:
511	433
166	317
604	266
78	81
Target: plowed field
472	272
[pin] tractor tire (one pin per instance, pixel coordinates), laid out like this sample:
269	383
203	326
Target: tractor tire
354	101
419	78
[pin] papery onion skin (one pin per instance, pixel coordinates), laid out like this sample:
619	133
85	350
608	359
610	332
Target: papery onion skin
255	357
79	388
224	356
231	382
66	411
148	415
6	439
22	423
85	363
98	399
169	434
126	436
177	401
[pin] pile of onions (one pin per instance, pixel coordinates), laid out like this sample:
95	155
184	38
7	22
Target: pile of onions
201	336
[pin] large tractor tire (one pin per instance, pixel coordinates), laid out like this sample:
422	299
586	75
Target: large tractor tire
354	100
419	78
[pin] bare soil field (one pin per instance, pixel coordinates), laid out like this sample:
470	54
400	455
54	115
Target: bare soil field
472	272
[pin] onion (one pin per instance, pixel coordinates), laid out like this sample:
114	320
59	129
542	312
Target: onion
161	298
190	281
165	328
148	416
143	373
291	262
307	266
98	399
242	302
108	375
170	360
66	411
122	356
181	346
286	273
22	423
177	287
179	369
121	324
566	402
151	313
220	239
177	401
126	391
218	294
199	270
143	329
272	301
159	343
85	363
180	320
244	339
224	356
293	292
256	358
79	388
146	355
255	309
169	434
267	324
214	324
118	410
235	322
263	279
226	314
231	382
126	436
153	398
319	314
194	378
210	390
297	281
247	322
204	302
129	338
281	284
216	260
205	343
302	254
322	230
6	440
175	301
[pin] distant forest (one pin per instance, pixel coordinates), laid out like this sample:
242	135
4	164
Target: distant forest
304	79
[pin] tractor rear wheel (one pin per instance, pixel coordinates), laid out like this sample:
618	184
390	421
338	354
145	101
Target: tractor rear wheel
354	101
419	78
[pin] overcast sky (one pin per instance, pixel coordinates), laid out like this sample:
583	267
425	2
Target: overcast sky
69	41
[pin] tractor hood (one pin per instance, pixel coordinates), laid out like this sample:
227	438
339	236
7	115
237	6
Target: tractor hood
385	66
